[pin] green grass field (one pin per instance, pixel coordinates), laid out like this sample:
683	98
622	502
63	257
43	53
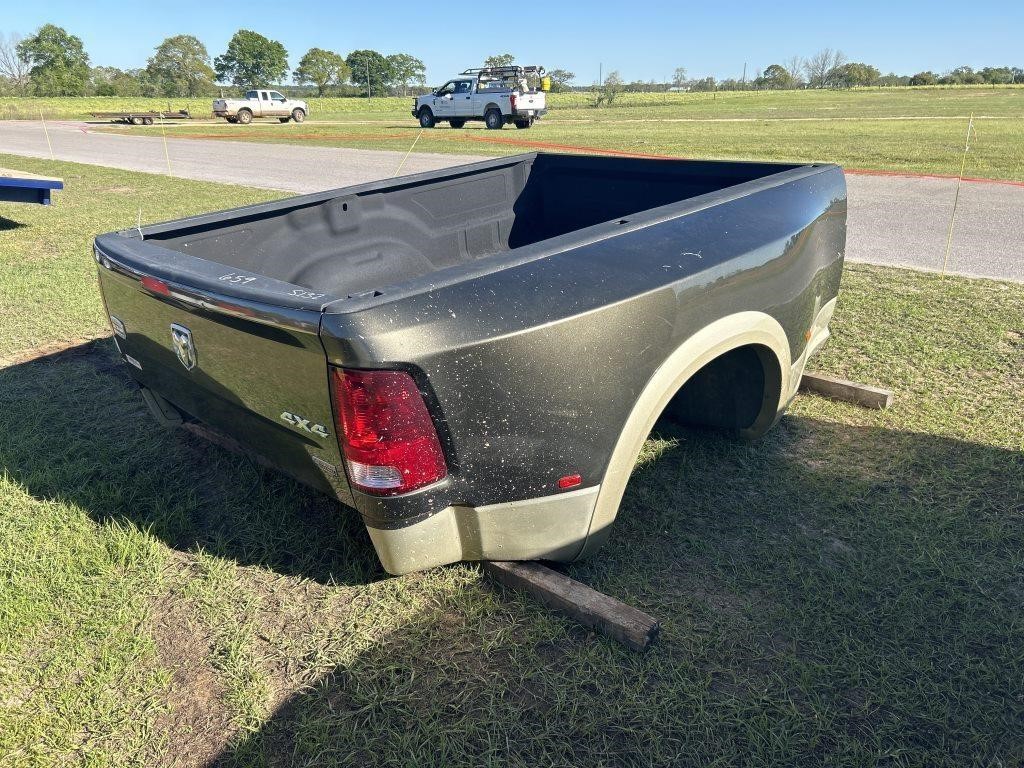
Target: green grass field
846	591
947	101
910	130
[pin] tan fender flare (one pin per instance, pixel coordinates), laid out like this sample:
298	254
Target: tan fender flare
721	336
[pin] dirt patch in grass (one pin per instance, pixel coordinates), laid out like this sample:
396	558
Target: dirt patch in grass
192	636
196	723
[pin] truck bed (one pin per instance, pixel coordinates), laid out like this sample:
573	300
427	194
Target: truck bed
525	319
367	239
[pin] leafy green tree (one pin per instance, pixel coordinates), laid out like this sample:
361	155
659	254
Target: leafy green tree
892	79
924	78
370	70
146	84
561	79
962	76
775	77
997	75
853	74
732	84
501	60
609	89
321	68
707	84
252	60
111	81
406	70
58	63
181	67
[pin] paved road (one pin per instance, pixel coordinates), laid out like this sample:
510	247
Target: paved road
893	220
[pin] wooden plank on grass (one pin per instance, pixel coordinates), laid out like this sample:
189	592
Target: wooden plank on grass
847	391
591	608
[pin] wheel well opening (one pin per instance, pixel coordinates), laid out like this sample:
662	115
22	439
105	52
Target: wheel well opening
737	391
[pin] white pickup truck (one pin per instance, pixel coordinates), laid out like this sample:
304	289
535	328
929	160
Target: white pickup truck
496	95
260	103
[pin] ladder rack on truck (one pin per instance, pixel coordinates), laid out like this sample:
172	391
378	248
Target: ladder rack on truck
503	72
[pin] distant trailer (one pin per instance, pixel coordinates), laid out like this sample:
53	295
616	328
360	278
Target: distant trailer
142	118
21	187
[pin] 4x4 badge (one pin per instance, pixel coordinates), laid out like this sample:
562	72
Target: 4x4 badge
184	348
304	424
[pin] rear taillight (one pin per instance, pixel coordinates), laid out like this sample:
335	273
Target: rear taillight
386	434
153	285
512	102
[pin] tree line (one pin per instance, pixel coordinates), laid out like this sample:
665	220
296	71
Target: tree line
831	69
827	69
53	62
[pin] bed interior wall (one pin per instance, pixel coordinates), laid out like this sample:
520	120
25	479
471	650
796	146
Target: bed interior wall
353	243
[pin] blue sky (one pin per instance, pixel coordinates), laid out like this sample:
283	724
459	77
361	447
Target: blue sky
642	40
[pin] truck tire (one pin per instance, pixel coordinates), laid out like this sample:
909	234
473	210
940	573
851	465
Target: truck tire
147	121
494	120
298	115
427	118
135	120
524	123
244	116
457	122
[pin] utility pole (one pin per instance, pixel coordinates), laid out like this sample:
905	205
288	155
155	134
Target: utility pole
600	73
744	80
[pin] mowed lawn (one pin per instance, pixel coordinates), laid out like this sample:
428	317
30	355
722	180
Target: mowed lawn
910	130
932	101
846	591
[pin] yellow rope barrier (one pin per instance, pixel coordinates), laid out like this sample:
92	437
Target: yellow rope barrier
956	197
47	134
402	164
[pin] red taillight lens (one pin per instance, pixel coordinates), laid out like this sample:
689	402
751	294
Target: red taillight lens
154	285
386	434
512	101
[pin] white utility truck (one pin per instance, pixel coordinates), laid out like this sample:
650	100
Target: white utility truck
260	102
496	95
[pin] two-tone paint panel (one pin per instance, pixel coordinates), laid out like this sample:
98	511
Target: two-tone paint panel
531	372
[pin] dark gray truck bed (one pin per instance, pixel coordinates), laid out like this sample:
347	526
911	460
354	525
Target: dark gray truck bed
541	312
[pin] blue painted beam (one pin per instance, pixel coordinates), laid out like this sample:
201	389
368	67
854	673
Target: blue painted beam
19	190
